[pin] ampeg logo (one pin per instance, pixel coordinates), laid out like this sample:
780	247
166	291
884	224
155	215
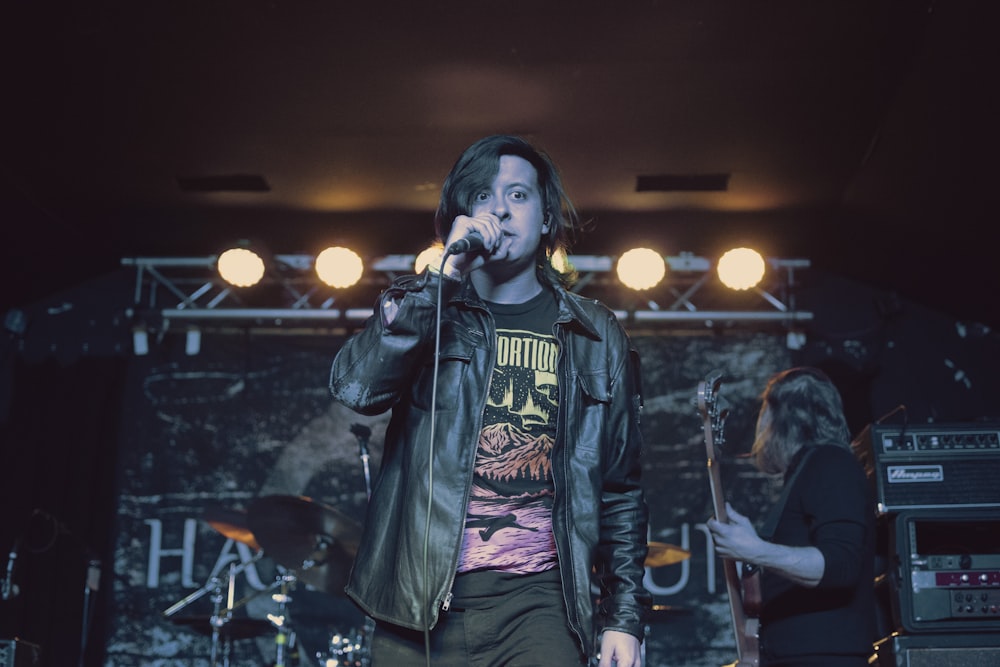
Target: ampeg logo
914	474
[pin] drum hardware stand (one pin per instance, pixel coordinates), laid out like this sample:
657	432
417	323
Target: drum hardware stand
218	620
211	585
362	433
285	639
219	616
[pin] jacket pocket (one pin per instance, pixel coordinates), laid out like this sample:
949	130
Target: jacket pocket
458	349
594	393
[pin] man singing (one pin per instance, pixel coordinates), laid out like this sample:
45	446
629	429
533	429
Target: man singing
509	485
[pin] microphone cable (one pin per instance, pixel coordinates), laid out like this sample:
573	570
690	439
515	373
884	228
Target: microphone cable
430	462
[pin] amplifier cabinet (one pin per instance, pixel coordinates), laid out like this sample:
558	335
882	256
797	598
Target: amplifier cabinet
928	466
946	573
939	651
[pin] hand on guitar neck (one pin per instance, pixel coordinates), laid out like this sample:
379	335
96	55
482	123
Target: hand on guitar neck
735	537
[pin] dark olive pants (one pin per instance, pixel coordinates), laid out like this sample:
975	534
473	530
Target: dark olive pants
522	624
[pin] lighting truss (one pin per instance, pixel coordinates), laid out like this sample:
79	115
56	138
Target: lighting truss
188	291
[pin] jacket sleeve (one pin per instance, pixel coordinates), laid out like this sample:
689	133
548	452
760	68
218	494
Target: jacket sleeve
374	365
624	515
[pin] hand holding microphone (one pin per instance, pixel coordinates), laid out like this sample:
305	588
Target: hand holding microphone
471	234
472	241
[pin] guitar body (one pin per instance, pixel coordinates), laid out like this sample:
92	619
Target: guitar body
743	589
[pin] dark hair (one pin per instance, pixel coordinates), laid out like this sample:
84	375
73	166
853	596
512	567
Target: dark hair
476	168
803	409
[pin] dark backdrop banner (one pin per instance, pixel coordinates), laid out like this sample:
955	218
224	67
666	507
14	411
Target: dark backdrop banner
90	431
203	436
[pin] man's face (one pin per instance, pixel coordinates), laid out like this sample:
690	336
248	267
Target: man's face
515	199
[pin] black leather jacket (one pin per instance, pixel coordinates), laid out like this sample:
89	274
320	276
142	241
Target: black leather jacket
599	515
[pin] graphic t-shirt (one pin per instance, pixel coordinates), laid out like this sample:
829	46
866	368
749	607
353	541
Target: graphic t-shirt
508	526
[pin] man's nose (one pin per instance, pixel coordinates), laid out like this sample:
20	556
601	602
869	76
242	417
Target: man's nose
500	209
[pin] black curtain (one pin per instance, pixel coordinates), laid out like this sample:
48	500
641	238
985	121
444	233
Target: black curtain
60	432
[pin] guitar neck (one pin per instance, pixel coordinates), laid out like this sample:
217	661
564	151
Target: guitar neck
743	628
718	497
734	588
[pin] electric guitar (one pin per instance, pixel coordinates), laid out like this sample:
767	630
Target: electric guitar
744	592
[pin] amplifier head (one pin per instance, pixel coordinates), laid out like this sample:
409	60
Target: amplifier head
930	466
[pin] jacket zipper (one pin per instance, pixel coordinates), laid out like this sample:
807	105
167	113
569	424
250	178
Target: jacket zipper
449	596
566	381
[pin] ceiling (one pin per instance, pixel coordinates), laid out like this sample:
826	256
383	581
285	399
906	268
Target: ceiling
853	133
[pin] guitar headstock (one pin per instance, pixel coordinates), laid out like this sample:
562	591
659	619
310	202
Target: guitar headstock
713	414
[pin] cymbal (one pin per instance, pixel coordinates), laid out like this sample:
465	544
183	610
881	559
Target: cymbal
660	554
662	612
231	523
234	628
315	541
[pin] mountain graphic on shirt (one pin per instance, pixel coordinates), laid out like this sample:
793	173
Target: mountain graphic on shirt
507	454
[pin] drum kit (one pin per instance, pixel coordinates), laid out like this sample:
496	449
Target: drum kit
313	544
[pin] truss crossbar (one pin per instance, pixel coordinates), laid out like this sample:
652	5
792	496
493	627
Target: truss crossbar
189	289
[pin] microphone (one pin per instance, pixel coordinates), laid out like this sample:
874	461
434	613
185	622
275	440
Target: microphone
9	589
470	243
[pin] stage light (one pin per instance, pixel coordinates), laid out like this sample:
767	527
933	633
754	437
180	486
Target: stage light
740	268
560	261
428	256
339	267
241	267
641	268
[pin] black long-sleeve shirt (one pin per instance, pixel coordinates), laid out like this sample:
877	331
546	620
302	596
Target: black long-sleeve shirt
830	507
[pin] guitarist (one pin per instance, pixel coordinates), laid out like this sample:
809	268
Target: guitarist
816	550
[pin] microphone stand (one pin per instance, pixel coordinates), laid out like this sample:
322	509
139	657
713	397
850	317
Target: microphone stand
89	588
362	433
9	588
